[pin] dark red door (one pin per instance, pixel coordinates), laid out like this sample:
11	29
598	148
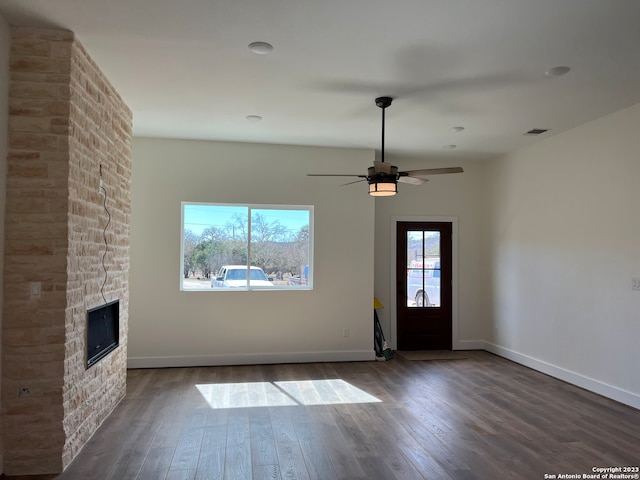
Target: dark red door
423	279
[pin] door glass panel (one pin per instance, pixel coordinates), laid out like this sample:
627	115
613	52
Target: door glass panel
423	269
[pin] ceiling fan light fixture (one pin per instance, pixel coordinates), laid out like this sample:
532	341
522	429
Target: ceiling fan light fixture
383	187
379	189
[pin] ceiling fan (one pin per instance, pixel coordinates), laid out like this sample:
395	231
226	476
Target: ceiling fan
383	177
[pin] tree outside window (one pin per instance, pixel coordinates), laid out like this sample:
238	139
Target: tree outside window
275	239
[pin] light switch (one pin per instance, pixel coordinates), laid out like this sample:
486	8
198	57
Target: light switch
635	283
36	289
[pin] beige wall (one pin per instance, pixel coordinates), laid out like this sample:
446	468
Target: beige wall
565	245
5	42
522	291
461	199
171	327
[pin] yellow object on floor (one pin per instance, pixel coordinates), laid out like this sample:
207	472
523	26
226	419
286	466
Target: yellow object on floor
376	303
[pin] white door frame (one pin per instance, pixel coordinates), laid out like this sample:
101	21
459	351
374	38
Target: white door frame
454	274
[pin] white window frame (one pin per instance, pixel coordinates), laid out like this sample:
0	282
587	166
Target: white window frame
250	207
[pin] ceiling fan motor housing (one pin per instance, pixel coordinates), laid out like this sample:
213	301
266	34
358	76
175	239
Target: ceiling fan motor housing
383	102
375	172
373	176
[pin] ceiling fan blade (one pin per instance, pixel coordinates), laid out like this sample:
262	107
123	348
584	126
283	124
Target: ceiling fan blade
351	183
432	171
334	175
412	180
385	173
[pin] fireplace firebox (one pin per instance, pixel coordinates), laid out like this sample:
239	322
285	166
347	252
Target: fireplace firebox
103	326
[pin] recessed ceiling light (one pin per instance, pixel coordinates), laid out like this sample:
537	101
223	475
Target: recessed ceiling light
557	71
254	118
261	48
449	147
457	129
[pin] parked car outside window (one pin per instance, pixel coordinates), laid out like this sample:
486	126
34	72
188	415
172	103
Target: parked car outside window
234	276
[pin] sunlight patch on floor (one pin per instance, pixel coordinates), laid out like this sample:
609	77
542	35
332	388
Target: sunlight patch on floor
279	394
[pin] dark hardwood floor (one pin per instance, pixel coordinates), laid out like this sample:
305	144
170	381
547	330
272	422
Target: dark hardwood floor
482	417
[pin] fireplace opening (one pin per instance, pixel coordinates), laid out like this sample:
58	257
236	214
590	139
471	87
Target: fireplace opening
103	326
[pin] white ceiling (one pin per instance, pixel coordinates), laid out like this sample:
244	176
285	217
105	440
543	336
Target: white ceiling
186	71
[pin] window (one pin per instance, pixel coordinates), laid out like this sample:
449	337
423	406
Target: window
423	268
246	247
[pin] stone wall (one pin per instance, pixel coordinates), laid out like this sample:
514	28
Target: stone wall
67	125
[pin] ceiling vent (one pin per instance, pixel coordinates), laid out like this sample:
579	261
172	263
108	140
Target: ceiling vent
536	131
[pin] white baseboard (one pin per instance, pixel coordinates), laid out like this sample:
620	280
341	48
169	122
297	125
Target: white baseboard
596	386
609	391
250	359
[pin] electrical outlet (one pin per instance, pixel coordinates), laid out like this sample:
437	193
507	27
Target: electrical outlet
345	332
635	283
35	289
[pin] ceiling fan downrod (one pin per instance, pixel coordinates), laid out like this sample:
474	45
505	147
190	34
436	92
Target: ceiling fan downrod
383	103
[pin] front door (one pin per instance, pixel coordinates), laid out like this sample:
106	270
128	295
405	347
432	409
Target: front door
423	280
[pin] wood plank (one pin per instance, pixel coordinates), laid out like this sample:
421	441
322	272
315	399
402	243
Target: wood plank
263	446
316	457
338	447
482	417
211	462
266	472
237	465
290	456
187	452
156	463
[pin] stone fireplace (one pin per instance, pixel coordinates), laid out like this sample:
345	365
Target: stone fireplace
69	130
